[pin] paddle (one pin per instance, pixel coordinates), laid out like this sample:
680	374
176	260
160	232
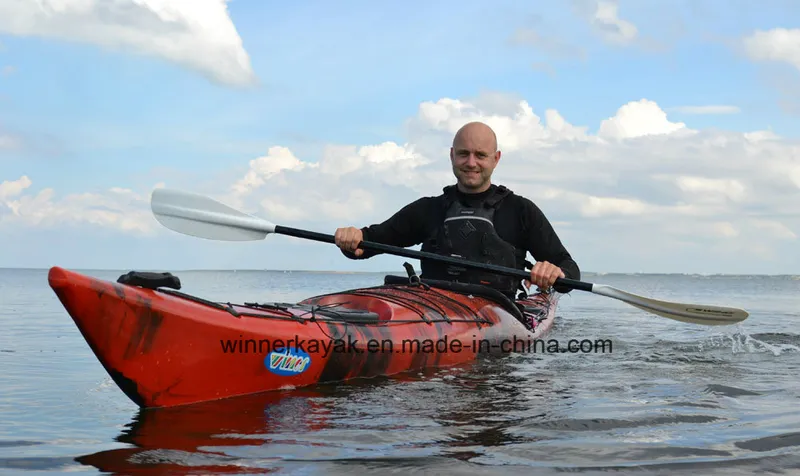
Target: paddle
203	217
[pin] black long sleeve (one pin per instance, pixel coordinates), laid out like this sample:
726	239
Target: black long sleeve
544	244
408	227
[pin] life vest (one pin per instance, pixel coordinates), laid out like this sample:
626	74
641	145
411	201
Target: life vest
469	233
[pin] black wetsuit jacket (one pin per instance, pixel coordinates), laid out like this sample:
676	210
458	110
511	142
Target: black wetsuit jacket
517	221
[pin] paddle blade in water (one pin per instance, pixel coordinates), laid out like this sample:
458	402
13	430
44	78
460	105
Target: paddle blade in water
203	217
704	314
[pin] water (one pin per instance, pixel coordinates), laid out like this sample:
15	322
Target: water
667	397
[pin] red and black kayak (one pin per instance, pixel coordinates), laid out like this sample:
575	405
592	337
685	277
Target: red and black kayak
164	347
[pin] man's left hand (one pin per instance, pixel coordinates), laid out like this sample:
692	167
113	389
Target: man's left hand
544	275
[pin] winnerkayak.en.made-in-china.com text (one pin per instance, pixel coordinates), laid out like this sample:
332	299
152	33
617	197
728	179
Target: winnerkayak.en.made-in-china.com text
443	345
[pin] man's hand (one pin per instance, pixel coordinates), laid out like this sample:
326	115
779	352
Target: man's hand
348	239
544	275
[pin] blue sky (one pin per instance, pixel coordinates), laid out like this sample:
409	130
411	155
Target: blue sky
87	113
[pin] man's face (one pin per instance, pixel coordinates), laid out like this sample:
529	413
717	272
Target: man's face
474	158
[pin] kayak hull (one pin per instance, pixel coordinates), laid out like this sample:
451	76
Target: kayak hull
166	348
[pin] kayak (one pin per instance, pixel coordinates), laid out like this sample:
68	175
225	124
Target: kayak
163	347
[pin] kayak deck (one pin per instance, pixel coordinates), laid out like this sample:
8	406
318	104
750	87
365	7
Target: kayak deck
163	347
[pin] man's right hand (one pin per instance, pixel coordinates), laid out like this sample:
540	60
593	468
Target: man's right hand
348	239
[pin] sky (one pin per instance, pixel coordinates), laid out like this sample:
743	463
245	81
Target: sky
656	136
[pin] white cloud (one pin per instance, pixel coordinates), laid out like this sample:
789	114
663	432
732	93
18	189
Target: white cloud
8	142
637	119
607	21
642	184
725	229
711	109
775	229
603	17
264	168
116	208
342	160
346	183
604	206
516	130
777	45
758	136
198	34
13	188
731	189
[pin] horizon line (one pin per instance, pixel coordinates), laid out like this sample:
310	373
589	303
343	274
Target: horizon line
323	271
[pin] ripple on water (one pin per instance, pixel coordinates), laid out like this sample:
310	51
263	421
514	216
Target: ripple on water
667	398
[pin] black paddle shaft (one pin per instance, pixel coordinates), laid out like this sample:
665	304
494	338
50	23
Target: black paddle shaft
394	250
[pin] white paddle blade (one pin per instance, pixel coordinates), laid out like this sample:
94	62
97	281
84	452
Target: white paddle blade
691	313
203	217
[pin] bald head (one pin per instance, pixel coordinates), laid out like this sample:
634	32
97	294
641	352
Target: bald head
477	132
474	156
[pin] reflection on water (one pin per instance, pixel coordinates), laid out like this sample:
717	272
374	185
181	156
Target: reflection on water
492	414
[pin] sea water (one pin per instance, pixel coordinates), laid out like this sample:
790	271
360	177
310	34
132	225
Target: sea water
665	397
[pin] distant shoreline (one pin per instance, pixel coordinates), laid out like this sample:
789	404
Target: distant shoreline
584	274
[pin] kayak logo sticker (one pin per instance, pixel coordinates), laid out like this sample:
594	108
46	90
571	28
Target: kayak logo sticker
289	361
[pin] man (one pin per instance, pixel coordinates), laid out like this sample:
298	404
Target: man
474	220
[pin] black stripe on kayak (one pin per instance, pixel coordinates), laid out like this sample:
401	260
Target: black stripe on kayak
350	362
375	363
148	321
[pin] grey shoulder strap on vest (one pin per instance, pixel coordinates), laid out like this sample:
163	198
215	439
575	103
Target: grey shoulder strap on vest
499	194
